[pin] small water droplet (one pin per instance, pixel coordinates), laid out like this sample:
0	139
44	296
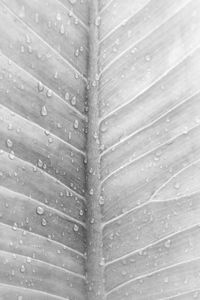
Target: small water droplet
66	96
168	244
44	111
40	163
40	86
76	228
76	124
91	192
76	53
49	93
11	155
73	100
22	269
147	57
58	17
44	222
9	143
98	21
40	210
62	29
101	200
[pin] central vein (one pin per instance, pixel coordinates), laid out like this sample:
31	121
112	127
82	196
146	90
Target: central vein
95	263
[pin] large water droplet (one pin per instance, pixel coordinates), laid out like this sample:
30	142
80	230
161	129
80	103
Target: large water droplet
40	210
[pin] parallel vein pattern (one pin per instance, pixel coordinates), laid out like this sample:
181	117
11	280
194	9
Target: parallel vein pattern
43	70
149	133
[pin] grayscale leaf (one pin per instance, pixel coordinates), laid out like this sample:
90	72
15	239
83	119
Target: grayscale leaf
99	150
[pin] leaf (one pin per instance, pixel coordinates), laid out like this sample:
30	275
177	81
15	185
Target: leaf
100	150
42	224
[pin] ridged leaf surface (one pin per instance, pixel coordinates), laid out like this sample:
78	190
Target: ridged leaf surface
100	149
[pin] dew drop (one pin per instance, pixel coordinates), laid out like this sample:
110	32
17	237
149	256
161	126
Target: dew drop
76	228
67	96
91	192
44	111
58	17
49	93
40	87
22	269
177	185
40	210
44	222
62	29
73	100
101	200
40	163
168	244
98	21
147	57
9	143
11	155
76	124
76	53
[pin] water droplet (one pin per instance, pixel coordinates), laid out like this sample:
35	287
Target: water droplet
91	192
11	155
40	163
147	57
44	222
40	87
81	213
49	93
62	29
101	200
168	244
76	228
44	111
22	269
98	21
76	124
9	143
76	53
67	96
177	185
58	17
73	100
40	210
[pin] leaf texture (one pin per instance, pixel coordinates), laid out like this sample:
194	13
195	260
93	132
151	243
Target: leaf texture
44	53
149	127
100	150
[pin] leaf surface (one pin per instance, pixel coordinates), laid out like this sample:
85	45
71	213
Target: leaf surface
44	50
100	150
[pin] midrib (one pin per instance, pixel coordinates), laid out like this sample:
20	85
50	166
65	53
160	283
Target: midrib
95	263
